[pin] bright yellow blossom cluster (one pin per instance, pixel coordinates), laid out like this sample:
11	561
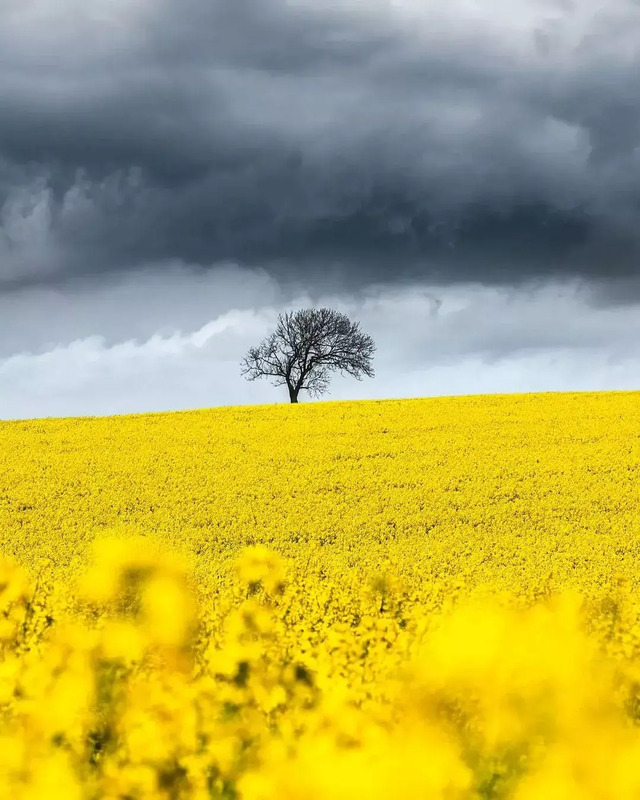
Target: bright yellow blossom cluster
429	598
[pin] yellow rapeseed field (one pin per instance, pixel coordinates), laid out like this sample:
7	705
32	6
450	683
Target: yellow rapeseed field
430	598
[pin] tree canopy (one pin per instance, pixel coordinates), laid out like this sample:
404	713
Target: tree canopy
306	347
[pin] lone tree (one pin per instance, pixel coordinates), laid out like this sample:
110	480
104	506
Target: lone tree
306	347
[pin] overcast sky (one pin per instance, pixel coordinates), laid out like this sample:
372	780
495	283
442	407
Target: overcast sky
462	176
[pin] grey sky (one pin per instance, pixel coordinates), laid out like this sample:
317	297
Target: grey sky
168	165
103	356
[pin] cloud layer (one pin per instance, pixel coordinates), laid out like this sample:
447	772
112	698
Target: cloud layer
451	141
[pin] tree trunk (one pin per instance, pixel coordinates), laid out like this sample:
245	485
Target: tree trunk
293	394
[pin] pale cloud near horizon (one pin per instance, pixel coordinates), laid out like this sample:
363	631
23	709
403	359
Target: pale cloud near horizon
174	340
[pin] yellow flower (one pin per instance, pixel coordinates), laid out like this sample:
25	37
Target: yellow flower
14	585
260	566
168	611
54	778
122	641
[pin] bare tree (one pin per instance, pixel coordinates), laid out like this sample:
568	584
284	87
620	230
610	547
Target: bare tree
306	347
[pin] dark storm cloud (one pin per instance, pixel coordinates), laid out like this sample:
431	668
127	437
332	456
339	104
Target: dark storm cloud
362	141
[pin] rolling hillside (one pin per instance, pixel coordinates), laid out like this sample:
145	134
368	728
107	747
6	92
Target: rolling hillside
410	598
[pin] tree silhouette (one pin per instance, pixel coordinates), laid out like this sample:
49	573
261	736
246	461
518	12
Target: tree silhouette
306	347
